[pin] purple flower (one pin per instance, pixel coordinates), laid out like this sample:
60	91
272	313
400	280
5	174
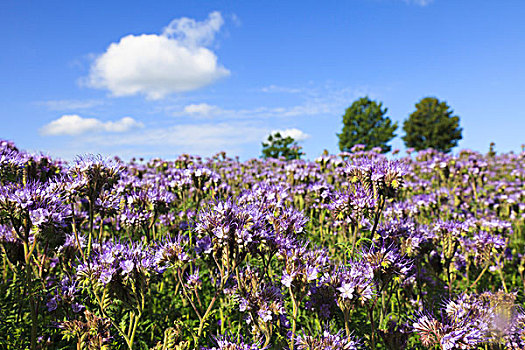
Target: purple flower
77	307
229	342
346	290
203	245
52	304
327	341
126	266
105	276
261	300
287	279
112	259
193	281
172	252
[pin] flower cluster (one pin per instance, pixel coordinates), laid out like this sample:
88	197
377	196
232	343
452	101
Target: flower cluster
262	301
233	231
172	252
381	176
119	262
327	341
302	265
227	342
386	264
471	320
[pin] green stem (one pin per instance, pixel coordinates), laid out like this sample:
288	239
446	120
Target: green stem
479	276
380	208
294	317
90	239
103	312
186	294
347	321
74	227
206	314
354	238
29	282
372	335
135	323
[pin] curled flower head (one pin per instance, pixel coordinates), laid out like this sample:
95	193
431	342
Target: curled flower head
261	300
172	252
232	231
467	321
95	331
302	266
92	174
379	175
327	340
387	263
119	263
230	342
193	280
356	204
353	284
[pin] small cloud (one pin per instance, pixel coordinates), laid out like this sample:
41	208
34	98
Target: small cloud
191	33
122	125
419	2
202	109
282	89
236	20
71	105
158	65
295	134
73	124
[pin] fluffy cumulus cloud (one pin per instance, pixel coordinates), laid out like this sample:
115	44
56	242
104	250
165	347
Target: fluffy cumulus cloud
177	60
295	134
76	125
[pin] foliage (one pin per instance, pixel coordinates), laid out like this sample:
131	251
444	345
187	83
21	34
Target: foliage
365	123
278	146
432	125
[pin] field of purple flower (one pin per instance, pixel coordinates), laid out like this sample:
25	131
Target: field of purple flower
353	251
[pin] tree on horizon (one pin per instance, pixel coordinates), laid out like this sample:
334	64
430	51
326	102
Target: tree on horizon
365	122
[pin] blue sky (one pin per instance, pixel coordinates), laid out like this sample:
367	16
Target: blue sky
169	77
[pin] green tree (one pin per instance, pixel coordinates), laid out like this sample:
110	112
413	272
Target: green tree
364	122
276	146
432	125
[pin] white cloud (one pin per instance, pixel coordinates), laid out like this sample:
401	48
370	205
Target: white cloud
315	101
158	65
281	89
419	2
193	33
63	105
201	109
122	125
73	124
294	133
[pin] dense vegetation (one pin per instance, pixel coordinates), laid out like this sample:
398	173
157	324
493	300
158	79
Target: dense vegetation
350	251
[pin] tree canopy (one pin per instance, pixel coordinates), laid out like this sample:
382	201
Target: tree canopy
365	122
432	125
276	146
